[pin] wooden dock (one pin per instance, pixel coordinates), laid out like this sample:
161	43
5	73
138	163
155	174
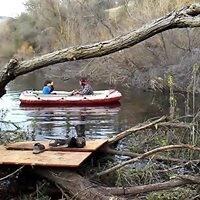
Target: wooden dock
20	153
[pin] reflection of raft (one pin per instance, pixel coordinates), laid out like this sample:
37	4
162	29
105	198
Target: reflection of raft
20	153
61	98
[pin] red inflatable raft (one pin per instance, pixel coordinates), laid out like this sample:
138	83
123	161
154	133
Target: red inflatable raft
102	97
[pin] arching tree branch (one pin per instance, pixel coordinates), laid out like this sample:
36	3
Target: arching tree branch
186	17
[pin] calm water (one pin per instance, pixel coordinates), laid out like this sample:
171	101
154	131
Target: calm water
98	122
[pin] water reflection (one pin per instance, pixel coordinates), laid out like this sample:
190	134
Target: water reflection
93	122
97	122
80	127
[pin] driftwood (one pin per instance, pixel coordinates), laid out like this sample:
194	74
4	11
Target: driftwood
183	18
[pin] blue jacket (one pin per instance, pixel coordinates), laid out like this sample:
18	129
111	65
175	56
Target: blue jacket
46	90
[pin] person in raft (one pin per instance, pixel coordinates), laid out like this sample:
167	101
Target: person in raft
86	88
48	87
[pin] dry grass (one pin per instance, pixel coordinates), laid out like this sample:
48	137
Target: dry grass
146	9
161	50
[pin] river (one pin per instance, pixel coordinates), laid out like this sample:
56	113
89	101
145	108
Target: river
98	122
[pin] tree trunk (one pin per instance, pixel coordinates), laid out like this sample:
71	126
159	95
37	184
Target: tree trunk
80	188
183	18
75	185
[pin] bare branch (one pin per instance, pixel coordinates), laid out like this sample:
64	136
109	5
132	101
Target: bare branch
9	122
147	154
139	127
175	182
12	174
107	149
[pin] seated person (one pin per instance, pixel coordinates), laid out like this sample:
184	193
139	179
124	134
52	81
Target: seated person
86	88
48	87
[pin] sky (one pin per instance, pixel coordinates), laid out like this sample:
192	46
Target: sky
11	8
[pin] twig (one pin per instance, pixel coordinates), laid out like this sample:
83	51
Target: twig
9	122
9	175
63	193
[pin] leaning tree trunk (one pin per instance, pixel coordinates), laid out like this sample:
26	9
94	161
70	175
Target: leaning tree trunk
75	186
186	17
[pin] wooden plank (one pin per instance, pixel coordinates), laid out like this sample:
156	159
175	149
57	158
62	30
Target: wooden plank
47	158
91	145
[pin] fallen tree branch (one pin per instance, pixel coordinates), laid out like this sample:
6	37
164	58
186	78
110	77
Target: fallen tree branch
152	187
138	127
147	154
74	184
107	149
188	16
193	179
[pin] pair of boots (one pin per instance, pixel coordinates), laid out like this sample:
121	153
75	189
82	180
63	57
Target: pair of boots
71	142
78	142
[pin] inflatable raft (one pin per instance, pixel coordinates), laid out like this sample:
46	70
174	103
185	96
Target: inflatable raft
102	97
